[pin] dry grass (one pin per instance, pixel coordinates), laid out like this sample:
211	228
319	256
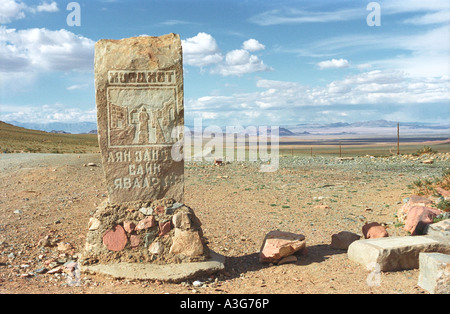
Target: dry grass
16	139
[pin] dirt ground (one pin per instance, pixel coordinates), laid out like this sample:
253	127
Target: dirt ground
52	195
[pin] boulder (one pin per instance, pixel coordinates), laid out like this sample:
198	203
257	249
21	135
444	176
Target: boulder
414	200
188	243
182	220
441	229
374	230
443	192
343	239
418	218
278	244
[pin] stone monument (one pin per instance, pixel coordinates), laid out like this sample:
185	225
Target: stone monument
144	230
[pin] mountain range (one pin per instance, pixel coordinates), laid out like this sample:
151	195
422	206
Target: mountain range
339	128
58	127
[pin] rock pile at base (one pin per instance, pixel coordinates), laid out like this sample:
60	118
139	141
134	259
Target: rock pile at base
159	232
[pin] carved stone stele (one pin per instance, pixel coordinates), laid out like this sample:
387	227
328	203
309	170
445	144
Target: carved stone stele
140	113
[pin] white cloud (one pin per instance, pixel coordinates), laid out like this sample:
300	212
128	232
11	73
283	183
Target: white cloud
252	45
239	62
47	113
433	11
414	6
201	50
295	16
176	22
431	18
333	63
11	10
48	7
282	102
77	87
419	53
40	49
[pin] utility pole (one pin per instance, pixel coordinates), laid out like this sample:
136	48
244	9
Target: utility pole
398	138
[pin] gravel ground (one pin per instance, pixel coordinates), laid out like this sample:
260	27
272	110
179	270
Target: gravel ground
45	195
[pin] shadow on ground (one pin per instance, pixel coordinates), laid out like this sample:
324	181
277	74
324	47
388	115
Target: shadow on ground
237	265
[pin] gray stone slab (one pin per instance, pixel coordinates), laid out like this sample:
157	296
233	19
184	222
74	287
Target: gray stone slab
395	253
441	229
434	273
168	272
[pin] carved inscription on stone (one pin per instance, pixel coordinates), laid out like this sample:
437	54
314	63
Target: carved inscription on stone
140	111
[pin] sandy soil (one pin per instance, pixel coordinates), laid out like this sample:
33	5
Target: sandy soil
52	195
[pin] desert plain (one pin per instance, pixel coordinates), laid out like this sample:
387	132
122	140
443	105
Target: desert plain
46	200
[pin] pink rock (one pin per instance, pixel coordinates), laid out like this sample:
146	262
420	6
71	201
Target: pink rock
278	244
115	239
322	206
374	230
129	226
134	240
160	210
414	200
443	192
164	228
146	223
418	217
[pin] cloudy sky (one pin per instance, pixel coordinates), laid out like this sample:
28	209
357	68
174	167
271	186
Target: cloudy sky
245	62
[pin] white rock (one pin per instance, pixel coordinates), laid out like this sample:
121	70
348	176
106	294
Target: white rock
434	273
147	211
197	283
93	224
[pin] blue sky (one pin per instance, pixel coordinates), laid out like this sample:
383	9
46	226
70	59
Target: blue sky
245	62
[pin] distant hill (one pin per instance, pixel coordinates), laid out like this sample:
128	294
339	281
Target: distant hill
59	132
73	128
376	124
376	127
19	139
372	128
